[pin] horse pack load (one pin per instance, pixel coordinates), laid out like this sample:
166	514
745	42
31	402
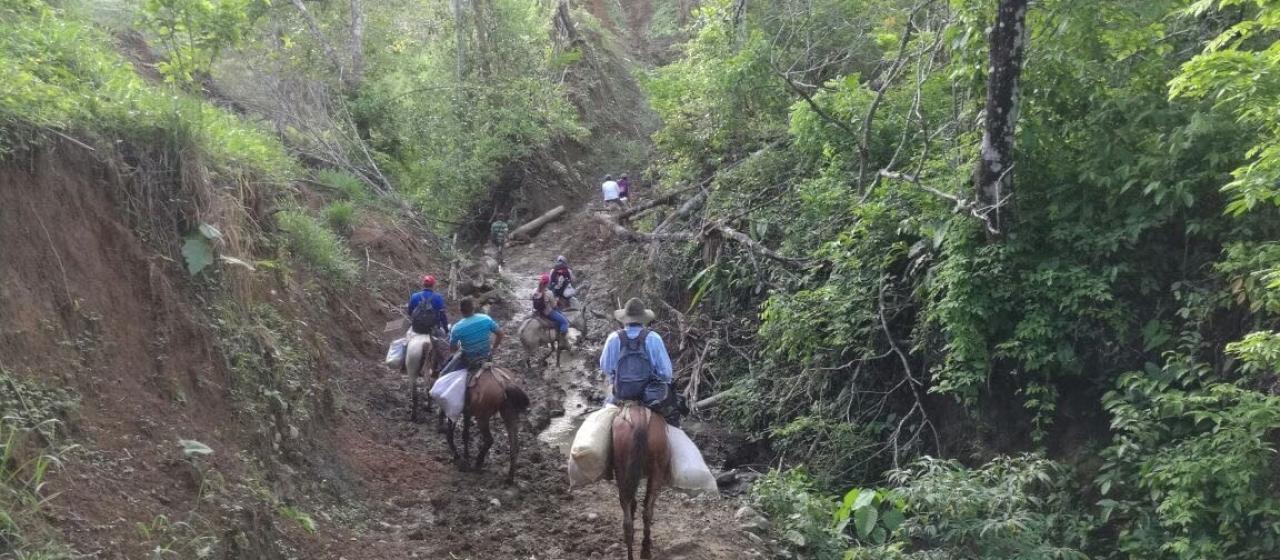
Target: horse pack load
689	472
589	454
592	449
451	392
395	352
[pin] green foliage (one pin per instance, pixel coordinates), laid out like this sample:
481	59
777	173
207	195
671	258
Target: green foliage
317	246
447	136
1191	473
340	216
346	185
58	72
194	32
801	516
297	516
31	448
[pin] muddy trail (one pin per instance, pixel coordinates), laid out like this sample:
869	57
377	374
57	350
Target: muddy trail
416	504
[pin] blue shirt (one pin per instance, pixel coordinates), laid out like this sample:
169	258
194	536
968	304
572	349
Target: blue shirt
473	334
652	344
436	301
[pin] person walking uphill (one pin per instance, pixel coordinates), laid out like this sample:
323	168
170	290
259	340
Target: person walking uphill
469	338
636	363
426	310
611	192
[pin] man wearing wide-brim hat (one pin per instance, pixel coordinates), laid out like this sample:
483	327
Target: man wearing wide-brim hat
629	348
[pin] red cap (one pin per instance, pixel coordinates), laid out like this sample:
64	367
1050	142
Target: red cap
544	279
428	281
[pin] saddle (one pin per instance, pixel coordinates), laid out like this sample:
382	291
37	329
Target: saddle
545	322
501	375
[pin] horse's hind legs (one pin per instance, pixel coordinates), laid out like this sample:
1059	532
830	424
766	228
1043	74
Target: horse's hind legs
650	498
512	420
448	435
628	524
466	439
486	440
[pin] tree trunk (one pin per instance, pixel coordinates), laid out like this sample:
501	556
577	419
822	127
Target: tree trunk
355	78
993	176
460	37
531	227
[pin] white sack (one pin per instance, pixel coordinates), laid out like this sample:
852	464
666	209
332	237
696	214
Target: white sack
395	353
451	392
589	454
689	472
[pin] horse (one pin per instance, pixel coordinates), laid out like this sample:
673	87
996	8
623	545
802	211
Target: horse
639	451
491	391
535	333
422	350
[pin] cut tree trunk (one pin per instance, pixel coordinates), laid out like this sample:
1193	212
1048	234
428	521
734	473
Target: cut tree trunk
532	226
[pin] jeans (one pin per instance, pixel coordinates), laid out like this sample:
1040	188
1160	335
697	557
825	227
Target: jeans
561	322
462	361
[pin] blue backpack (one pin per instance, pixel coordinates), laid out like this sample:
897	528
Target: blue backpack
636	379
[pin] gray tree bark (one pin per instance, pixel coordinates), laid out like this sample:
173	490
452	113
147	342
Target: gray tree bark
993	177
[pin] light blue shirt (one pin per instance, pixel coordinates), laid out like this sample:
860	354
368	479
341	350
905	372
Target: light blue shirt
653	345
473	334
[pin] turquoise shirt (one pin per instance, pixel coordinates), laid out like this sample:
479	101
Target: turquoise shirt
473	334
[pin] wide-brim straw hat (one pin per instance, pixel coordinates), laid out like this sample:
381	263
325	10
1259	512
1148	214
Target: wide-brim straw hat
633	312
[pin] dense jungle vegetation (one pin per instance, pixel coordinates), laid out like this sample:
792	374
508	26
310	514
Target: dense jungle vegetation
993	278
1093	345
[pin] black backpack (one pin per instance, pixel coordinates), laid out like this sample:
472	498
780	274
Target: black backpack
635	379
424	319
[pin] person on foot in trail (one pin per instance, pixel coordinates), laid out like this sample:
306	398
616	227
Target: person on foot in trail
636	364
498	235
426	310
624	190
611	193
562	282
543	307
470	338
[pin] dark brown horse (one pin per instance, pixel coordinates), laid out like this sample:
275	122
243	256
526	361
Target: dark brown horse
639	451
492	391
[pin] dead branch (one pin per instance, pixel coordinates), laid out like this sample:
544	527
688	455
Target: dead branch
982	213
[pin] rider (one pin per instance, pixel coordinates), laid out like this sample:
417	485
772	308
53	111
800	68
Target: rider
561	280
432	319
542	307
636	364
469	338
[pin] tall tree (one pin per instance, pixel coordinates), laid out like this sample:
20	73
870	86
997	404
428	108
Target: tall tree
993	177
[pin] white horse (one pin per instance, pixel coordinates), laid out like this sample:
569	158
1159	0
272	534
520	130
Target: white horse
534	334
422	350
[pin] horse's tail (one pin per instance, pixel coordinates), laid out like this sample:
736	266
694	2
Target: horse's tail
516	399
629	479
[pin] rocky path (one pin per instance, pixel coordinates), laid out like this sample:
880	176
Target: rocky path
417	505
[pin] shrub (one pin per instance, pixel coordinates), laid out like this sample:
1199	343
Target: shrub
341	216
348	186
317	246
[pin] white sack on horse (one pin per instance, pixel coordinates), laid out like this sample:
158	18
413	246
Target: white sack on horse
689	473
395	353
451	392
589	454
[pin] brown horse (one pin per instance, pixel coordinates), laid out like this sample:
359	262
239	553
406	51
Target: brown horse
422	351
492	391
639	451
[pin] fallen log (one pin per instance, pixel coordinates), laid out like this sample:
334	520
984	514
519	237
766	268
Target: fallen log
532	226
633	235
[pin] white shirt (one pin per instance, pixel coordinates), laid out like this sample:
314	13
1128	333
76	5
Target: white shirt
610	190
